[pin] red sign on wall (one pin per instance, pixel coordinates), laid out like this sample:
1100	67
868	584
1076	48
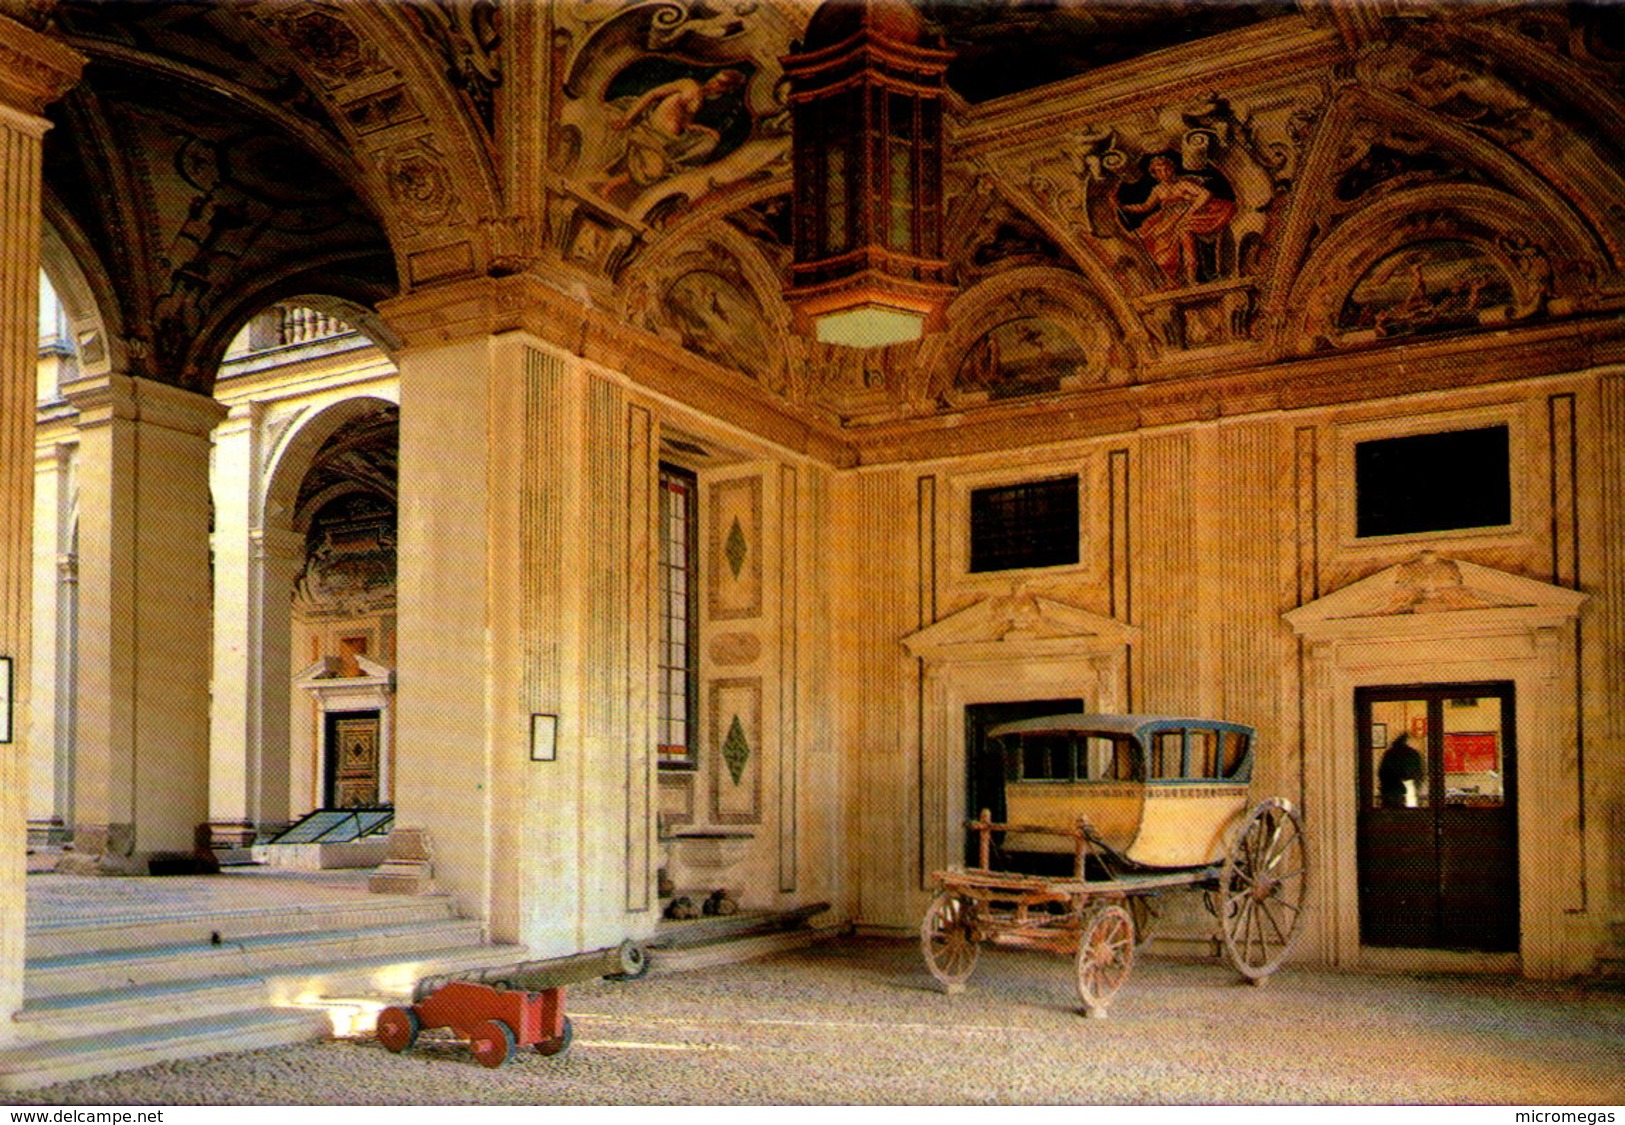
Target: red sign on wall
1477	752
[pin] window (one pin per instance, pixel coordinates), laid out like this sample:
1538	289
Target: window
1167	755
1433	482
1017	526
677	721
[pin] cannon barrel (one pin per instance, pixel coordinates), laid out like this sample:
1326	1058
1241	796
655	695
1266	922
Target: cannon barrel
622	961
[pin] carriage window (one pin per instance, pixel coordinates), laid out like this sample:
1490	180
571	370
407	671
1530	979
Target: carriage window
1203	747
1167	754
1047	757
1235	752
1106	759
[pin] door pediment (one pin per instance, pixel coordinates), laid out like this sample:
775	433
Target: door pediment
1019	625
1434	596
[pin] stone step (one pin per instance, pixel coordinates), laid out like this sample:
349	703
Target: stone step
31	1065
90	973
361	984
69	936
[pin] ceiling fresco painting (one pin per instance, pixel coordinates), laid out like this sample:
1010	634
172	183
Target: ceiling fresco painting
1027	356
1430	287
1204	188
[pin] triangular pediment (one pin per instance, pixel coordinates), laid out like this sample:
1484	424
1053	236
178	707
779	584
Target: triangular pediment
329	671
1017	624
1432	594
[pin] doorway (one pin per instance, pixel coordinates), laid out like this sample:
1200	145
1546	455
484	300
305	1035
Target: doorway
1437	825
351	774
984	765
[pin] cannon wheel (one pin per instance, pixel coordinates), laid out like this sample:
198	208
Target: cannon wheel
1262	889
948	939
491	1041
1105	955
398	1028
561	1044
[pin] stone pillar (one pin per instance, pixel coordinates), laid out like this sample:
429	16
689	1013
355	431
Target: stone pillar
445	780
56	581
249	709
145	617
515	584
34	71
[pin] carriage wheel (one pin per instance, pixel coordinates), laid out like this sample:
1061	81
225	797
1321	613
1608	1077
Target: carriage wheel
1262	889
398	1028
1105	955
948	939
560	1045
492	1042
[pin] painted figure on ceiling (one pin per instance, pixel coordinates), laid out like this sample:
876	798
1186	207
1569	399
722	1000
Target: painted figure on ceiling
675	124
1178	217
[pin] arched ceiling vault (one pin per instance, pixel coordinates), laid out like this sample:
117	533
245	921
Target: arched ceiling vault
1352	177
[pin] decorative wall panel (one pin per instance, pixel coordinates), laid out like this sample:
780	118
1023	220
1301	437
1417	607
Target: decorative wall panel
735	549
640	651
789	724
541	531
736	751
1611	590
1166	674
1245	551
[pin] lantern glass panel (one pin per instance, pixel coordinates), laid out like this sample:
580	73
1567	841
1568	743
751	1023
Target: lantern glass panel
835	200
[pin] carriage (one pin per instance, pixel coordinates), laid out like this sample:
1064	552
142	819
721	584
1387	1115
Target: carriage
1103	813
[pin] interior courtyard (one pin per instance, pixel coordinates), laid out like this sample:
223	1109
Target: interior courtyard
613	463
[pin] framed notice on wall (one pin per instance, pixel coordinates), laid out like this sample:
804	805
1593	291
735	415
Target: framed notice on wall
544	733
5	699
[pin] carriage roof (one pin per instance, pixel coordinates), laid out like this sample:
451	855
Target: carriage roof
1138	727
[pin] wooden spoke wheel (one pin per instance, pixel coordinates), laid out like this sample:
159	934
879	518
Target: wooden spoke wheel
948	939
1262	889
1105	955
491	1041
561	1044
398	1028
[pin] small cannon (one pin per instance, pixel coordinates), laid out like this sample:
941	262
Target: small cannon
510	1006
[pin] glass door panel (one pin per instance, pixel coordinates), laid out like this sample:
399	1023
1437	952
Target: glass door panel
1437	854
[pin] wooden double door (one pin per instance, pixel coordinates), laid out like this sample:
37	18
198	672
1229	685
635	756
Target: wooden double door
1437	825
352	761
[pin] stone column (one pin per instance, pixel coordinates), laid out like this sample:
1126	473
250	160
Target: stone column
145	617
515	586
56	580
249	709
34	71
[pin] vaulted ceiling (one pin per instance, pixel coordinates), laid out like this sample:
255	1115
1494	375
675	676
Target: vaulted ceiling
1354	178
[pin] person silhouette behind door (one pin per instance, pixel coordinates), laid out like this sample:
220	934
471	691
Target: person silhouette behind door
1399	774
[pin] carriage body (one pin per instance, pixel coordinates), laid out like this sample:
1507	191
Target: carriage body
1156	791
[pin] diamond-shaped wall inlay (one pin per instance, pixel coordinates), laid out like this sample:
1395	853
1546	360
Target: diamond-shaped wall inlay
736	548
736	750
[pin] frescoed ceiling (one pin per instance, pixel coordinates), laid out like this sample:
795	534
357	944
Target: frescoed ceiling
1139	193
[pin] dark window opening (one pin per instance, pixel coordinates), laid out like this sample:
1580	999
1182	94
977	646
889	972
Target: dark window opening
677	719
1433	482
1018	526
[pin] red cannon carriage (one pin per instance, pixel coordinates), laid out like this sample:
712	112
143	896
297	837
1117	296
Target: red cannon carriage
500	1009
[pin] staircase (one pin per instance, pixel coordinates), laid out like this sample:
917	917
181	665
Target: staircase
109	994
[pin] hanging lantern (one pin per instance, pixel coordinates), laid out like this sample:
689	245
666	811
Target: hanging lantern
866	95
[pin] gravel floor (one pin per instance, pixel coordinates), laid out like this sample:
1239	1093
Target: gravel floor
860	1021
